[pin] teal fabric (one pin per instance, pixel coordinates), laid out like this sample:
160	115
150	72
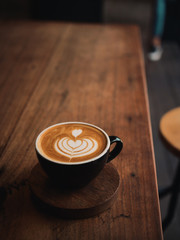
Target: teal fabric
160	18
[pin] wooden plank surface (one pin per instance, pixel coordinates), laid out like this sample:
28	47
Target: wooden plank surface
54	72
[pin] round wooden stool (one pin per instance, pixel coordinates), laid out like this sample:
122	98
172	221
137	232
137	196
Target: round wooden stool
170	135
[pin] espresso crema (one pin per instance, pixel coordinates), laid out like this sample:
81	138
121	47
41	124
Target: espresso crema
72	142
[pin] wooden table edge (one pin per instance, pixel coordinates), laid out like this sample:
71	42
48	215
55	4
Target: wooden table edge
150	133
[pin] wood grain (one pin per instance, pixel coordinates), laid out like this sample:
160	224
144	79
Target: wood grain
90	73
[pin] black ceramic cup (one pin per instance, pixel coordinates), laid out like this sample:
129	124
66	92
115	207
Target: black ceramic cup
78	174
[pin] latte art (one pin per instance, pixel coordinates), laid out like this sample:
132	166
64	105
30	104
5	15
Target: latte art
72	142
77	148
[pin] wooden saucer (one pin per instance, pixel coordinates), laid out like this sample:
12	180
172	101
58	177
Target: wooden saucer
84	202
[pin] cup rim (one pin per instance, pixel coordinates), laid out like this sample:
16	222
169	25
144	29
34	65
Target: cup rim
73	163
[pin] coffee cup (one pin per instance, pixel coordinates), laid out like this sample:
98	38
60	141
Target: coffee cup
73	153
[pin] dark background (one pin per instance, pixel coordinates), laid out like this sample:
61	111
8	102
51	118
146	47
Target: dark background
100	11
172	23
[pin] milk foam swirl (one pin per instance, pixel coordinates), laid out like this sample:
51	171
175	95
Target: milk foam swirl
76	148
71	142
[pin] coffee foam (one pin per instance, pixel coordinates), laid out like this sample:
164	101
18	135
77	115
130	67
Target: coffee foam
71	142
76	148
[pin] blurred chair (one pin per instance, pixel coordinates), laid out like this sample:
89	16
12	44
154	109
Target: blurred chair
170	135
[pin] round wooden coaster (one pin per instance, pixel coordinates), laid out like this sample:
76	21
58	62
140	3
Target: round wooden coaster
84	202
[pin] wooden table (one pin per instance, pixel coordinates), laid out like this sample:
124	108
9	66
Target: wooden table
55	72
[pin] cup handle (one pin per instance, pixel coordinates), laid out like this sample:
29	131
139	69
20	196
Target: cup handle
117	149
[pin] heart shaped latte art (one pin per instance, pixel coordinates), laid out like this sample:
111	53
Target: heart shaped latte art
76	148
